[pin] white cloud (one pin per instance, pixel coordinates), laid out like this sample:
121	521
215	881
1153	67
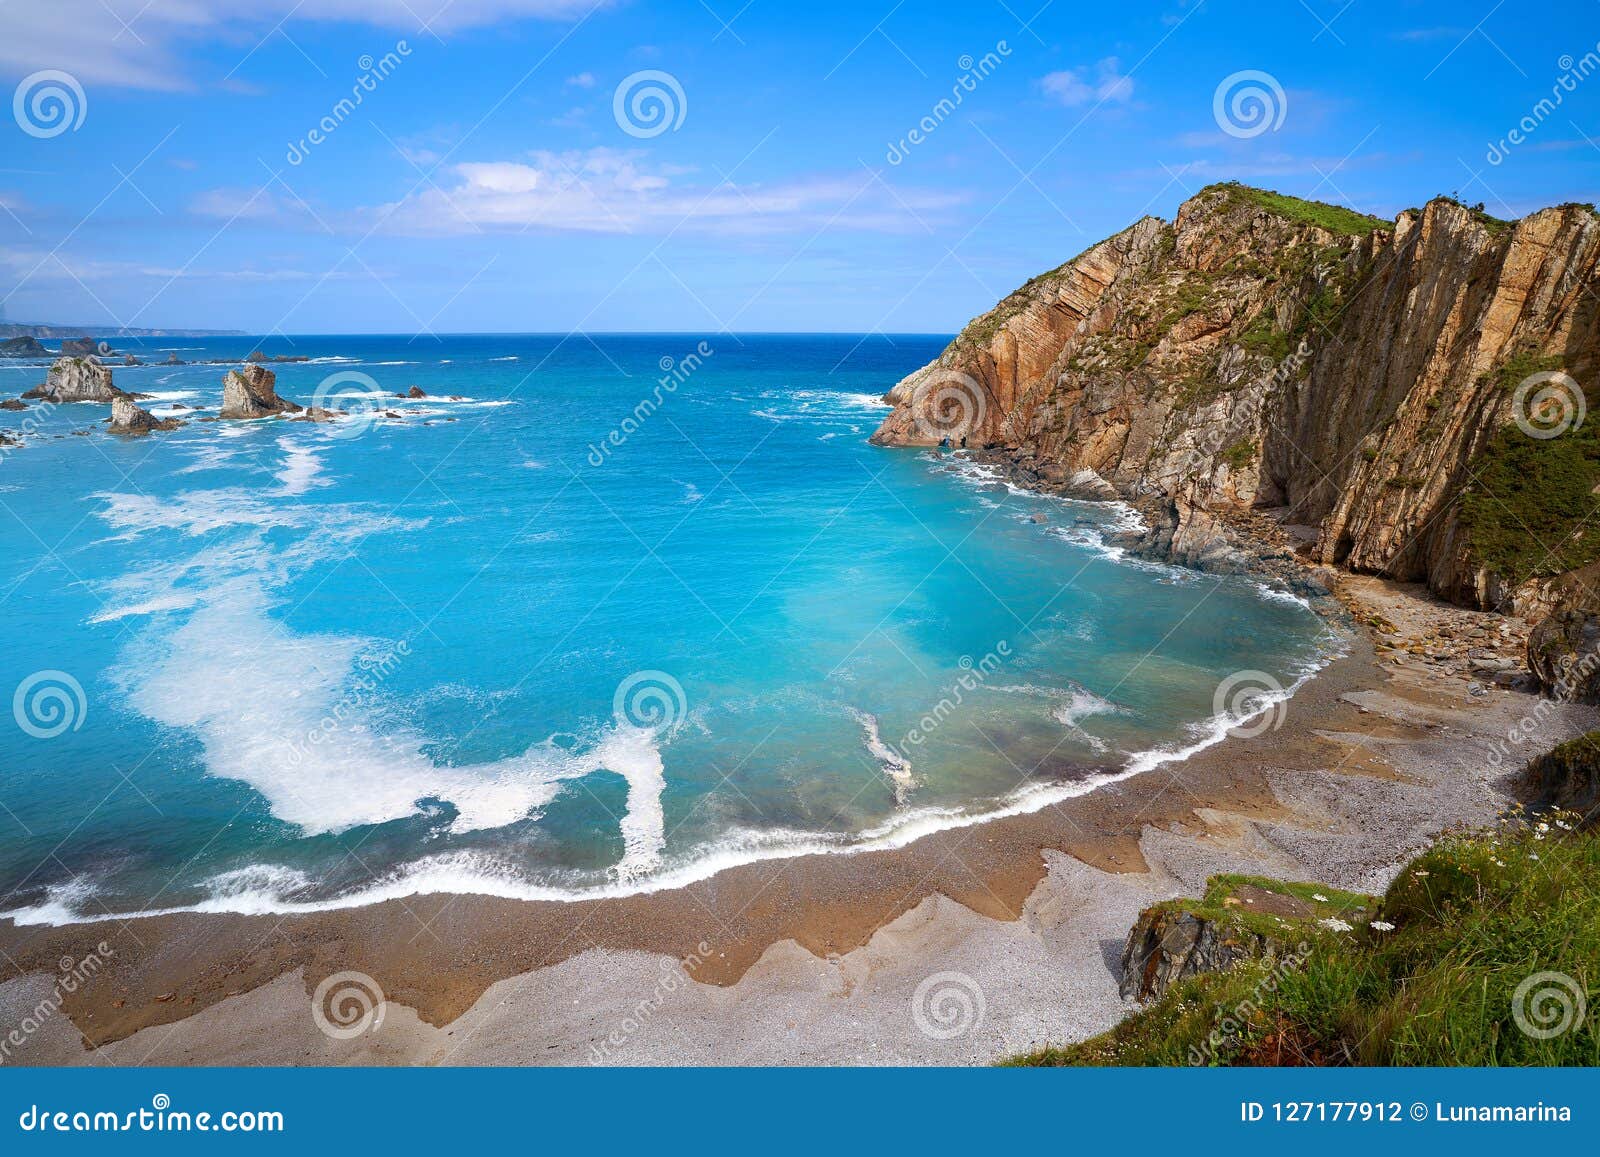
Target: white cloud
40	265
139	43
606	191
1074	87
582	80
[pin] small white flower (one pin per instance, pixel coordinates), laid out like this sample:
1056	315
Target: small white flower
1420	873
1563	827
1334	924
1544	827
1382	926
1533	855
1319	896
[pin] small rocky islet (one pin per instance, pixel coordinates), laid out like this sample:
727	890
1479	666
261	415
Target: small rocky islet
249	391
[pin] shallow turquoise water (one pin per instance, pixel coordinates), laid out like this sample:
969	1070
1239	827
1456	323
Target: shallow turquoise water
542	640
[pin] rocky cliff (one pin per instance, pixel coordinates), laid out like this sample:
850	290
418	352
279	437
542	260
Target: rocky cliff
1360	379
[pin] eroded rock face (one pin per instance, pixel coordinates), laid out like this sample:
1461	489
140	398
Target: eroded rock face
1242	358
1568	778
1564	656
128	418
1168	945
76	379
251	392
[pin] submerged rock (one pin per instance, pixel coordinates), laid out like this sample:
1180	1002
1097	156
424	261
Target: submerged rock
13	404
128	418
76	379
252	392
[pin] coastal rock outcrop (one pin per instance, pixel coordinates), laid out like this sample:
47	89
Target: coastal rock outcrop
251	392
79	347
22	347
1358	378
76	379
1568	778
1172	944
1564	655
127	417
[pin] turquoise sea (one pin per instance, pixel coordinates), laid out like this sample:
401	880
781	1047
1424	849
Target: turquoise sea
598	614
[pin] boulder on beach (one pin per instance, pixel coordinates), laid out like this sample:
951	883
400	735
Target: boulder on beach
128	418
1564	656
76	379
252	392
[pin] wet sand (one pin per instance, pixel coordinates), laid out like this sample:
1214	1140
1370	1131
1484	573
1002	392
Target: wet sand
831	959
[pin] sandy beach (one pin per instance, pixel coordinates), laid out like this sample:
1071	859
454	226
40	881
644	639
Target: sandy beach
964	947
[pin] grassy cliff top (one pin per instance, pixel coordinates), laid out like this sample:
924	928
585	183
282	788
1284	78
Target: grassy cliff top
1458	962
1333	218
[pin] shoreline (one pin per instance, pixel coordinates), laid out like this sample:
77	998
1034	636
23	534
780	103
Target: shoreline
1373	759
1112	540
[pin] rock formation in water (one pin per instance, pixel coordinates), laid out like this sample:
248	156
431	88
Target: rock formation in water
22	347
1358	378
76	379
128	418
251	392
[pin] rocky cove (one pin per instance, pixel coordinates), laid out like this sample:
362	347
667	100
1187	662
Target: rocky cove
1274	382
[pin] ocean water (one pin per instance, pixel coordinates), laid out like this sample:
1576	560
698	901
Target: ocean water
597	615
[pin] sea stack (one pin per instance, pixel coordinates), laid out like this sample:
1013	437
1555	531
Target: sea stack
76	379
252	392
128	418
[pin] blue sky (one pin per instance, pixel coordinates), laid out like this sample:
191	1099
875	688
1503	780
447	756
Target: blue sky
486	181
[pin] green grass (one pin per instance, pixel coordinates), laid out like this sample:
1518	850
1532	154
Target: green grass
1529	506
1239	455
1495	225
1474	917
1334	218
